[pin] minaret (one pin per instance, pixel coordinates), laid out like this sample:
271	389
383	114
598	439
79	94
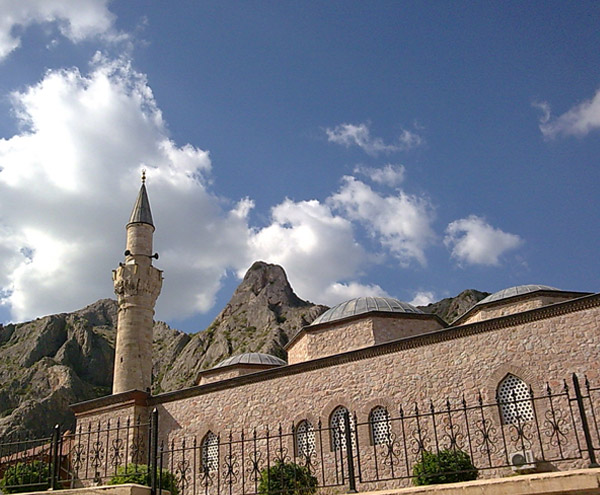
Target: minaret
137	286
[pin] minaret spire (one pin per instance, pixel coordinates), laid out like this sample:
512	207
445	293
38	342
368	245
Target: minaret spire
137	286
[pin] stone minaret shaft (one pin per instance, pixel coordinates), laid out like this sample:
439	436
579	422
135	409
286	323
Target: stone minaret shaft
137	286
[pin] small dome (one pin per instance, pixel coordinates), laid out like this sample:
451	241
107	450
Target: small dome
365	305
519	290
252	358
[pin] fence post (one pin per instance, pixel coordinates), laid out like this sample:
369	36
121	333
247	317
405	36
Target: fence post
349	456
584	423
54	458
154	450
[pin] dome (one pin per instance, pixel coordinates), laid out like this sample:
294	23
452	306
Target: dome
252	358
519	290
362	305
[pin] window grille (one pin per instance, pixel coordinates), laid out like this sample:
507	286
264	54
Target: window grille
305	439
514	398
210	452
338	429
381	430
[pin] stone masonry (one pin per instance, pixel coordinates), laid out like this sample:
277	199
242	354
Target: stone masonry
541	346
361	331
137	286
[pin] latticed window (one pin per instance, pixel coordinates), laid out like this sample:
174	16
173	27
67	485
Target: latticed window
379	421
210	452
305	439
514	398
338	428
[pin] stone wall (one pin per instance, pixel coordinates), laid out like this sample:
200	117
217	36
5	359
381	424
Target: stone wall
297	351
357	333
386	329
332	338
512	307
541	347
443	365
109	435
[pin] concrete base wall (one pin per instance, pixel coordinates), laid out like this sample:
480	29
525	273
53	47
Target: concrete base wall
128	489
579	482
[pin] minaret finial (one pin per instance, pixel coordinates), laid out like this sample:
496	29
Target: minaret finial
143	176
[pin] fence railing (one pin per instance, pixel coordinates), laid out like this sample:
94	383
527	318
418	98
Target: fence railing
556	429
91	455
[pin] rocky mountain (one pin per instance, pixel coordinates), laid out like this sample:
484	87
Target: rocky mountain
48	363
261	316
452	307
57	360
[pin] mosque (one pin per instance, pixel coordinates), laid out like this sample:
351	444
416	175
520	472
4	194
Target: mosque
379	358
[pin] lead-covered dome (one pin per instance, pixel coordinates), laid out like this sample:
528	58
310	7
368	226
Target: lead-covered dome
252	358
518	290
362	305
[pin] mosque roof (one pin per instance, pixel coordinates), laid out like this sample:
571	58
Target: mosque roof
252	358
362	305
518	290
141	210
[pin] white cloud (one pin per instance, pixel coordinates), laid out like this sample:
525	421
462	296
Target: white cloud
401	223
360	135
389	175
579	121
473	241
75	19
544	108
339	292
316	247
69	178
68	181
423	298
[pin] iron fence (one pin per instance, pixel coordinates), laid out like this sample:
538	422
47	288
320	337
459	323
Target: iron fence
556	429
91	455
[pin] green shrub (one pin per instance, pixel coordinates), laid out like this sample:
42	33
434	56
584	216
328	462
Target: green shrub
287	478
138	473
26	477
448	466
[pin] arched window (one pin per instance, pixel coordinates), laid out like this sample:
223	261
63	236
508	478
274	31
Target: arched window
338	428
514	398
379	422
305	439
210	452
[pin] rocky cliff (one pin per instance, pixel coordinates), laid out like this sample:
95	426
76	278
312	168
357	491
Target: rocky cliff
48	363
261	316
57	360
452	307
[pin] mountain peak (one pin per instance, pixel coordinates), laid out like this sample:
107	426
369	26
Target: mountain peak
268	281
261	316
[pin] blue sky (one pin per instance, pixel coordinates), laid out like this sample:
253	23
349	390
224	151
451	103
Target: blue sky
409	149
